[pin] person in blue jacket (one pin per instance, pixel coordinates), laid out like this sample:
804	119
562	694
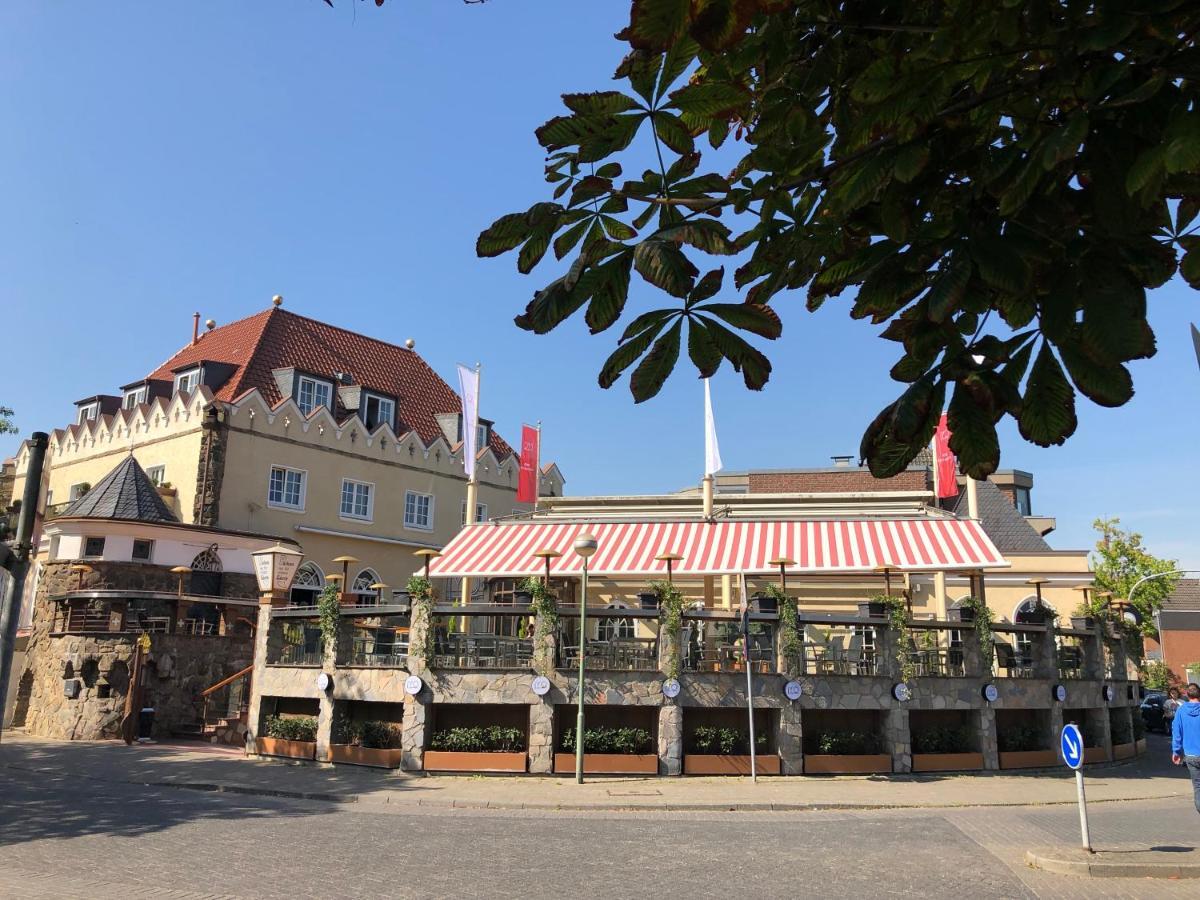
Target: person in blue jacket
1185	738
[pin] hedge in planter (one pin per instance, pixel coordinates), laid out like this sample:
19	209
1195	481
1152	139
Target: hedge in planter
945	748
1024	746
725	741
477	748
368	743
847	752
726	751
290	736
609	750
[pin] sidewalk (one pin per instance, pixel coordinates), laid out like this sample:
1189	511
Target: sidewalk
200	768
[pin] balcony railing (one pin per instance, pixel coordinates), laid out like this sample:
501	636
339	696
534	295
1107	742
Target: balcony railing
936	651
1069	653
838	648
481	651
297	655
1014	655
615	655
378	650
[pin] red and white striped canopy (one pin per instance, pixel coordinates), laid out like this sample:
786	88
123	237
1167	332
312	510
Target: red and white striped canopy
719	548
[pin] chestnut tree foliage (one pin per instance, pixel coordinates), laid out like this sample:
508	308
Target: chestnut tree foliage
997	183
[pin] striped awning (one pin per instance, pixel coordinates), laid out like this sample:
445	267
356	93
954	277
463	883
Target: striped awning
719	548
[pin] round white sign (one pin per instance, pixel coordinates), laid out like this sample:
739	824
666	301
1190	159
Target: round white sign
413	685
991	693
541	685
324	681
1109	693
902	692
1060	693
671	688
792	690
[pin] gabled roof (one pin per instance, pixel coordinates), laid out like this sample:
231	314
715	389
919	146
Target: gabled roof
124	493
1186	596
1004	525
278	339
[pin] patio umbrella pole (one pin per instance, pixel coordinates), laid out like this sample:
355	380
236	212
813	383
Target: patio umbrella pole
749	679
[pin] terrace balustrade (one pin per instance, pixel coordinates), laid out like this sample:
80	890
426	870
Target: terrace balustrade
935	649
117	613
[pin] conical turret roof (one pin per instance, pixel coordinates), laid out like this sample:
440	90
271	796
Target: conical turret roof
124	493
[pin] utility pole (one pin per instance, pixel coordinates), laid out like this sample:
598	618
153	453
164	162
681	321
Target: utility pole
18	566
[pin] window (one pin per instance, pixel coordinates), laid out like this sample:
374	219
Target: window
93	546
1021	497
480	513
156	474
418	511
143	550
307	586
609	629
363	593
135	397
78	490
87	412
311	393
378	411
186	382
356	499
481	436
286	488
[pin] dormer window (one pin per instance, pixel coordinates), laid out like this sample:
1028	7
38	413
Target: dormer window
187	382
481	436
377	410
87	412
311	393
134	397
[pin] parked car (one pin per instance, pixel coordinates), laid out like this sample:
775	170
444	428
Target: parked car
1152	712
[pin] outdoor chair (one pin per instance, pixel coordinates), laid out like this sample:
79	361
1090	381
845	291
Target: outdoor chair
1007	659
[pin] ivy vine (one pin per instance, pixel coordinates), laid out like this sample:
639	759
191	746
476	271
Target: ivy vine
670	621
420	592
545	611
329	616
896	610
790	644
983	629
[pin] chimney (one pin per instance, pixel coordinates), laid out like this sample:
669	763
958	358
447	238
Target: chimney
195	327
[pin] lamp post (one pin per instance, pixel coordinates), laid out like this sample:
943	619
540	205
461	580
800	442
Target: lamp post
274	567
179	571
345	561
886	571
782	562
585	546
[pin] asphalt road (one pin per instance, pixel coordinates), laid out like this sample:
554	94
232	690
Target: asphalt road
64	836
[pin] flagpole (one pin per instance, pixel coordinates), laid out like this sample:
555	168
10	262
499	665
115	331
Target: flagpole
537	467
749	678
472	482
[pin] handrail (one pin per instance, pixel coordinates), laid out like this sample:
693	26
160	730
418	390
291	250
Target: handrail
225	681
119	594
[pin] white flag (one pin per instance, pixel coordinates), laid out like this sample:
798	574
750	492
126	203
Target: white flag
712	452
468	388
744	603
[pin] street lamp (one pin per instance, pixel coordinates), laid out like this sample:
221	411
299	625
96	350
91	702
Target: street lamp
275	568
585	546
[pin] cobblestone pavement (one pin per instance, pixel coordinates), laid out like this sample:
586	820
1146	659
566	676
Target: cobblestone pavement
62	835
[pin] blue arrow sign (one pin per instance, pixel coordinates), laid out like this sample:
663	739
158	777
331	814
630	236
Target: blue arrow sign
1071	745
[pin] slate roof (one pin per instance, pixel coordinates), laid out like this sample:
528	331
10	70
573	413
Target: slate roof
277	338
1004	525
124	493
1186	596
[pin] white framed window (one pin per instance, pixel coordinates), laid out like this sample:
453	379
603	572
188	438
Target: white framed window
285	489
481	436
135	397
78	490
418	510
358	500
157	475
143	551
93	547
378	411
87	412
187	382
480	513
311	393
608	629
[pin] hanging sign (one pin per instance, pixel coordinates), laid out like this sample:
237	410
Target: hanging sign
1109	693
1060	693
671	688
792	690
902	692
991	693
541	685
413	685
324	682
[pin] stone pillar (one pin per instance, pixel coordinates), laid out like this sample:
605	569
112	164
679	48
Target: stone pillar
418	634
974	665
988	741
1055	725
1102	729
886	640
412	732
669	650
1093	656
1045	654
670	739
541	736
898	739
262	634
1119	670
545	647
329	651
790	739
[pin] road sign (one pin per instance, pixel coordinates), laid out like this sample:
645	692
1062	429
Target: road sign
1071	745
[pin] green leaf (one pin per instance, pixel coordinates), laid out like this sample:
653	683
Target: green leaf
678	57
859	182
1148	166
744	357
702	349
665	266
948	289
672	132
707	286
1104	385
506	233
708	235
655	319
549	307
589	188
910	162
761	320
651	374
1000	265
709	99
717	24
608	286
888	454
972	433
599	103
535	248
569	238
1114	326
625	356
1048	411
1190	267
657	24
617	230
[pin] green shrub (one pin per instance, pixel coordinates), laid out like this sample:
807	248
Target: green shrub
1122	729
944	739
479	739
1020	739
848	743
292	728
371	734
726	741
610	740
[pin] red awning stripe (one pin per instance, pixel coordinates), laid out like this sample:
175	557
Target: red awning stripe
716	548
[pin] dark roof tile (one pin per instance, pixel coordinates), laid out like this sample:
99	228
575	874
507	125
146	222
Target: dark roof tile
124	493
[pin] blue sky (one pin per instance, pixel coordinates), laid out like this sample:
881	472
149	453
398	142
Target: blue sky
161	159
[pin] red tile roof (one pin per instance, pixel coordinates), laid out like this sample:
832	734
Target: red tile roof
277	338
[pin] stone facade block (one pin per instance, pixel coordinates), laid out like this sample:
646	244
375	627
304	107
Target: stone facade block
670	740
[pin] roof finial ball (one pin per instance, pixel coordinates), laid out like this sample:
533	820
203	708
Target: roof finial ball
277	300
410	343
210	324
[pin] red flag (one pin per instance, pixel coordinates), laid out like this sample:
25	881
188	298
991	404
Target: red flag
527	483
944	461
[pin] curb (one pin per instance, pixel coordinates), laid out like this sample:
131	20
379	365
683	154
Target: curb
1097	867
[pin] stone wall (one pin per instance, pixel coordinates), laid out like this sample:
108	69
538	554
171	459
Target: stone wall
57	579
210	473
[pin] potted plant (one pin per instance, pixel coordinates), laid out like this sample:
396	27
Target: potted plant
648	599
1082	618
875	607
292	736
1024	747
476	748
846	753
522	597
964	614
368	744
726	751
766	603
609	751
945	749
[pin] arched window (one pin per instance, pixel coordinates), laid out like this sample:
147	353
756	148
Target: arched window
308	584
207	561
611	628
1026	612
365	595
206	573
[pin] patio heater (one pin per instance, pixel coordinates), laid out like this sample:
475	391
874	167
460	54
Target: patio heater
82	569
345	561
178	571
547	555
585	546
379	587
427	553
